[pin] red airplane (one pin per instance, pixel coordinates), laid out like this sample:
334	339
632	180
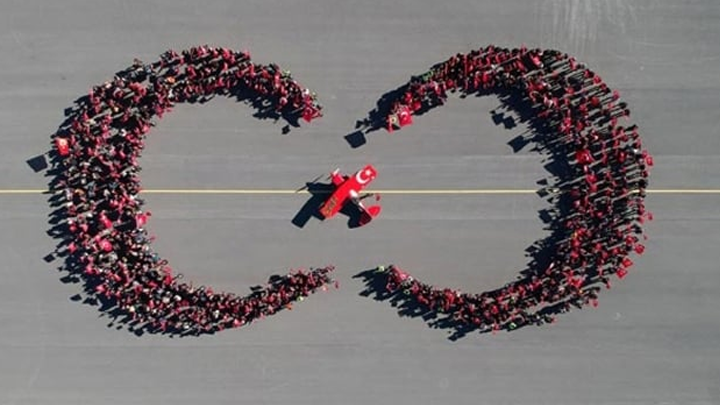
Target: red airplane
347	189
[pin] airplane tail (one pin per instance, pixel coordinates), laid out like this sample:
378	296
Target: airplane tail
374	210
369	213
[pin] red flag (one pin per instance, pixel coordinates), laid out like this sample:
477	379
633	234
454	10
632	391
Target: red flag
621	273
639	249
105	245
107	223
536	61
62	145
405	117
308	114
416	105
141	219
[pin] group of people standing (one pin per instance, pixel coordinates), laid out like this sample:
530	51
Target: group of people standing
583	121
579	119
96	190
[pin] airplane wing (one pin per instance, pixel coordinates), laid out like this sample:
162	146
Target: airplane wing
337	199
331	206
348	188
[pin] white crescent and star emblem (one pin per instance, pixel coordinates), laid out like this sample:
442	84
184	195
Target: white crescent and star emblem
363	176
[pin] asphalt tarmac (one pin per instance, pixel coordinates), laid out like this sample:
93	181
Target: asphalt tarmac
653	339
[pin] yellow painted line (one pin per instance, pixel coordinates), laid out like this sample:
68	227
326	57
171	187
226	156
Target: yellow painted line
23	191
448	192
380	191
222	191
681	191
274	191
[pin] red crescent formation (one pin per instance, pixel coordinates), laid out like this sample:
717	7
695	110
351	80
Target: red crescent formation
101	219
600	208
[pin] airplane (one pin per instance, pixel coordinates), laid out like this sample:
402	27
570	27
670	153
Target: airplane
347	189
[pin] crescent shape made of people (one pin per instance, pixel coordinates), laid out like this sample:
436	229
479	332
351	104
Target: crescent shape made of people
579	121
100	218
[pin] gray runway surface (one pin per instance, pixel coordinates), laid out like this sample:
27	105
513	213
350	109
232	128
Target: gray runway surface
655	339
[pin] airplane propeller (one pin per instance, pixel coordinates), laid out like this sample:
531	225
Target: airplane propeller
367	195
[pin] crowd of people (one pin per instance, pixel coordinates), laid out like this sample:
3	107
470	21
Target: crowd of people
585	123
97	188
